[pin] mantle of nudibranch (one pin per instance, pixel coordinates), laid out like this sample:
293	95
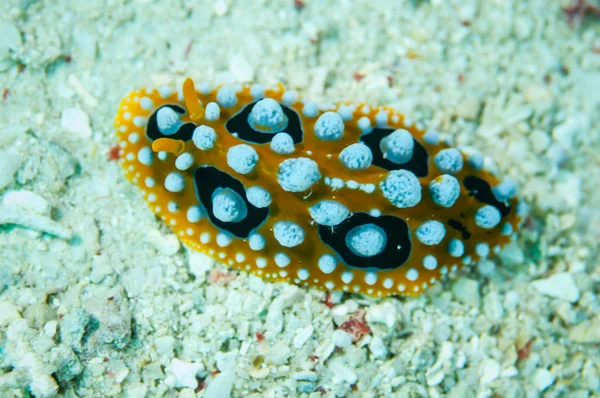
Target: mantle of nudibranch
348	197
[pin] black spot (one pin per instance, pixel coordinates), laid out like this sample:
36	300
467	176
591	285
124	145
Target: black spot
184	133
483	193
457	225
207	179
390	258
417	164
239	124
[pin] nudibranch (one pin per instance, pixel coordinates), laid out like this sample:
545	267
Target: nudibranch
345	197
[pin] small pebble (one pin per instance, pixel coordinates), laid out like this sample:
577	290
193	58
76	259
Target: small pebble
10	162
542	379
75	120
341	339
561	285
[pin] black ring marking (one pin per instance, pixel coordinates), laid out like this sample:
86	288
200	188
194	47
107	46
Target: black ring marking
239	125
185	132
457	225
483	193
417	164
207	179
390	258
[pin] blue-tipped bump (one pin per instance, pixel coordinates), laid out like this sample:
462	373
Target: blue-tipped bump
329	127
257	242
505	191
381	118
456	248
184	161
444	190
431	137
398	147
289	97
228	205
449	161
226	97
282	260
356	156
267	116
242	158
174	182
329	213
431	232
487	217
212	112
310	109
346	112
283	144
298	174
194	214
476	161
257	91
429	262
205	88
168	121
327	263
258	196
366	240
204	137
402	188
507	229
482	249
288	234
364	123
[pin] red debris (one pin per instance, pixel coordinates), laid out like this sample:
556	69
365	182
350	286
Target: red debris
259	336
113	153
524	351
356	326
578	10
461	78
5	94
201	386
328	300
299	4
358	76
68	59
314	358
390	81
220	278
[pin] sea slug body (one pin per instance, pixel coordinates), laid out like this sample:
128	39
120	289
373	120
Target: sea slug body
347	197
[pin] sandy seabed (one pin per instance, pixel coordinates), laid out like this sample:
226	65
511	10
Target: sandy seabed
98	298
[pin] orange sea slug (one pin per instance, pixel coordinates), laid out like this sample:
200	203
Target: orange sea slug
348	197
